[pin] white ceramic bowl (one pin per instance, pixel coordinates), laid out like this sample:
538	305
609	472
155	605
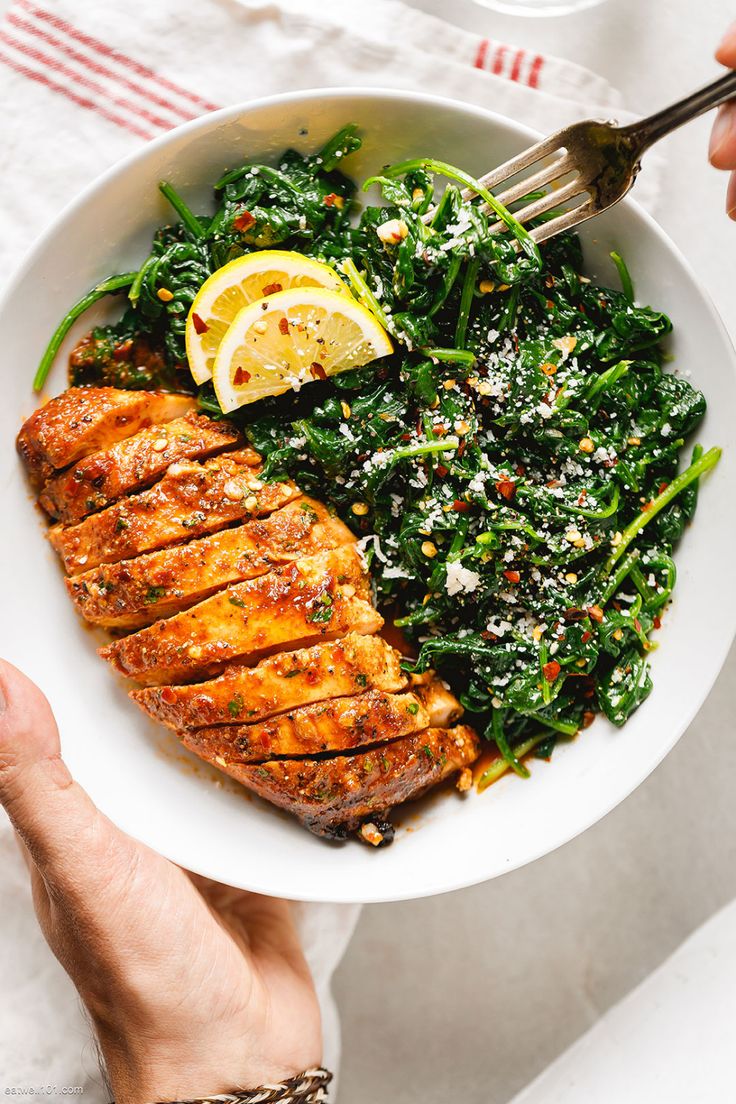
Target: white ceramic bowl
134	770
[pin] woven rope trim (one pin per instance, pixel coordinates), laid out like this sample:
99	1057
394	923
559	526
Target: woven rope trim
309	1087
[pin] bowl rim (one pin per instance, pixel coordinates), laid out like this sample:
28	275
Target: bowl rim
431	884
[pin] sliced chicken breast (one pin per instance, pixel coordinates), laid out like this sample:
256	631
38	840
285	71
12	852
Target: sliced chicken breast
320	596
331	669
370	718
190	500
133	593
99	479
333	796
443	707
85	419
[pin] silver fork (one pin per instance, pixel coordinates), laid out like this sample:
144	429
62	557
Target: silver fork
592	163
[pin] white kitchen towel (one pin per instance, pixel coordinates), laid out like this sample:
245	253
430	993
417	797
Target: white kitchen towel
669	1040
84	83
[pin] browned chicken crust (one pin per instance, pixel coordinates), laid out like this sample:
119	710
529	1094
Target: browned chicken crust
373	717
333	796
287	680
99	479
190	500
133	593
319	596
84	419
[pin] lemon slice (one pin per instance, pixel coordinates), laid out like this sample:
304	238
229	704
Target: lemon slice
292	338
238	283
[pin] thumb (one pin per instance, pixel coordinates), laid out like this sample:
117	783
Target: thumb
55	818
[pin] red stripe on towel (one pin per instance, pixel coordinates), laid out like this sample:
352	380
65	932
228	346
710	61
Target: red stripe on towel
81	101
115	55
49	61
36	31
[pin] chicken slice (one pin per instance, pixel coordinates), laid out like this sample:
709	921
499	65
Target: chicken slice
333	796
190	500
84	419
370	718
319	596
437	698
133	593
287	680
102	477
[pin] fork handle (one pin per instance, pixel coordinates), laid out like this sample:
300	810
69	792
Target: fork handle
649	130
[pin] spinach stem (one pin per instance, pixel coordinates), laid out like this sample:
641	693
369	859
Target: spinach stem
363	292
106	287
190	220
498	768
499	737
627	285
684	479
451	356
466	301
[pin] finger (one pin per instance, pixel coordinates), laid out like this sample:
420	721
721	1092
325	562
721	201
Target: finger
65	834
726	52
722	150
731	197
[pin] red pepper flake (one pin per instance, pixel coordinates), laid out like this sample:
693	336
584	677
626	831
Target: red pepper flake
461	448
549	305
460	507
441	470
506	488
588	718
439	430
244	221
549	281
199	324
663	486
519	469
647	506
405	437
241	377
284	326
595	613
586	636
332	199
582	497
574	613
512	576
657	622
548	368
637	624
317	370
271	289
168	696
551	670
486	635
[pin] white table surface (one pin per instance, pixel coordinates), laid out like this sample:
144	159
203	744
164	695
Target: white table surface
468	996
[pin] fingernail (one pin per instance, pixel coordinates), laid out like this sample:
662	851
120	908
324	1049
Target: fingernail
723	128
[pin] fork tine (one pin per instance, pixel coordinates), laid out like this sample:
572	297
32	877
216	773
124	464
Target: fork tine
565	222
546	203
517	164
538	180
